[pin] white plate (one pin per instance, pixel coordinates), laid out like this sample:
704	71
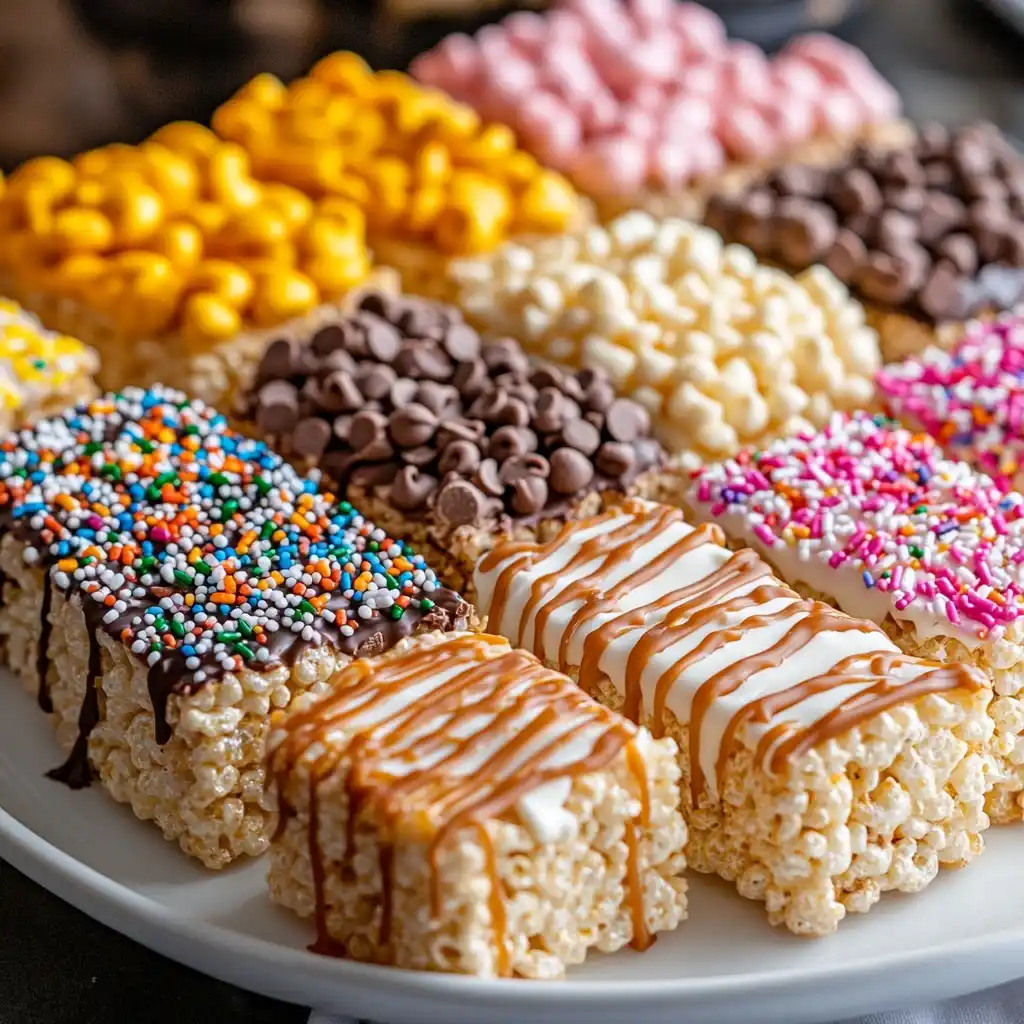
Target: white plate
964	933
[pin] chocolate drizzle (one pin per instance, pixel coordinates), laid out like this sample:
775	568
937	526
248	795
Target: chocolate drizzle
43	650
493	692
76	771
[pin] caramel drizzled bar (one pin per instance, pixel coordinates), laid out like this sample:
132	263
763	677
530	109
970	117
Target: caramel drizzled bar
457	806
821	767
166	583
929	233
446	440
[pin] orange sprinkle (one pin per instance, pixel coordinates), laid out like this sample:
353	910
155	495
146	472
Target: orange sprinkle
221	598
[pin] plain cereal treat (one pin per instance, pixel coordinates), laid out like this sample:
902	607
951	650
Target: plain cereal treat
721	350
875	519
447	440
166	583
821	767
456	806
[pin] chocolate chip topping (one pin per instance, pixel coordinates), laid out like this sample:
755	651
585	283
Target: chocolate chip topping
403	398
933	229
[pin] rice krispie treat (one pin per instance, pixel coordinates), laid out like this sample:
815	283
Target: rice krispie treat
721	350
430	178
448	441
820	766
41	372
928	234
171	259
874	519
456	806
647	104
166	583
970	399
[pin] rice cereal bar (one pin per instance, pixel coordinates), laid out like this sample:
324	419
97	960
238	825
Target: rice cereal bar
172	260
820	766
722	351
647	105
432	180
166	584
448	441
874	519
927	234
41	372
970	399
456	806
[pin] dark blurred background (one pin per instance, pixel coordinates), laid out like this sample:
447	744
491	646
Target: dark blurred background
78	73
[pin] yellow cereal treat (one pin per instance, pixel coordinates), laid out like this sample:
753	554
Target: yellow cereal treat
722	351
41	372
430	177
172	259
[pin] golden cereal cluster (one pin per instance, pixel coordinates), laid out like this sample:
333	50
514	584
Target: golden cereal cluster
177	235
422	167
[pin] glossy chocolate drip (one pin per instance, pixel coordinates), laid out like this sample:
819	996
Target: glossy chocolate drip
43	650
76	771
515	697
708	605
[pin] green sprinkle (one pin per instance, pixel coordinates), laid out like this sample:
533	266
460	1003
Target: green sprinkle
268	528
920	510
916	551
92	448
217	479
21	472
147	563
178	629
229	637
392	582
88	560
426	603
161	624
165	478
111	471
262	485
202	567
182	577
345	506
373	546
153	492
244	650
228	509
146	446
397	611
306	608
39	364
244	628
155	646
192	428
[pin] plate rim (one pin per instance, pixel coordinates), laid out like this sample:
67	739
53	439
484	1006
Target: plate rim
115	904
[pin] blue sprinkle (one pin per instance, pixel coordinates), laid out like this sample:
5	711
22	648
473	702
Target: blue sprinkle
866	577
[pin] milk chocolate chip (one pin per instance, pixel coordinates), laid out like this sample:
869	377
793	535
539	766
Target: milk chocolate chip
615	459
310	437
626	420
460	503
412	425
848	255
530	495
277	407
571	471
412	488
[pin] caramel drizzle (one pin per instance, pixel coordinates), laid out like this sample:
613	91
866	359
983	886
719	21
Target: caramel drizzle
501	688
706	604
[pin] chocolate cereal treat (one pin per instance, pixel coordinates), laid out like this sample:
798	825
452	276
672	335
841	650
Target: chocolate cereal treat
928	234
166	584
445	439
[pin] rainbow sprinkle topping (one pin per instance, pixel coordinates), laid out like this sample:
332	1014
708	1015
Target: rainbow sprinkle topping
35	362
877	518
202	550
971	400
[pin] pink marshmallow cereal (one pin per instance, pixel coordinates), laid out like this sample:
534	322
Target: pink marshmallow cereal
650	94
